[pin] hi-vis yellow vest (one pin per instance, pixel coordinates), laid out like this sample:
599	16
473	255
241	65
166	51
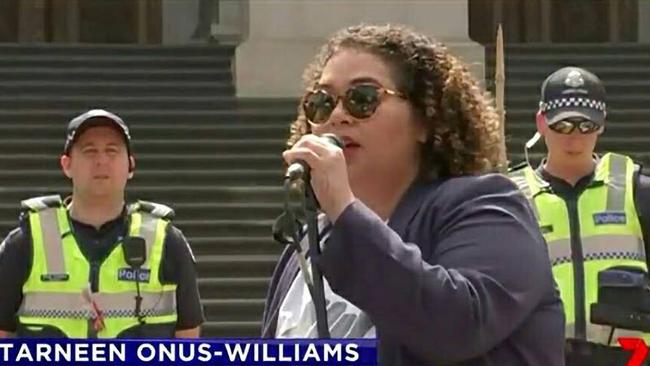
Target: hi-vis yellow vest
609	231
57	292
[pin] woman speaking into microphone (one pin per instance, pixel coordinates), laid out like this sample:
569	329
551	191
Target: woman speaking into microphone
443	263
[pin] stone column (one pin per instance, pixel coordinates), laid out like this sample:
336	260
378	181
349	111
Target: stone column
644	21
31	21
65	20
179	21
283	36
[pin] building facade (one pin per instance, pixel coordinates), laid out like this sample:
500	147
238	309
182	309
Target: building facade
275	39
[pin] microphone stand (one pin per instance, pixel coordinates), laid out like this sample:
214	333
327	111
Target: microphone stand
301	202
318	296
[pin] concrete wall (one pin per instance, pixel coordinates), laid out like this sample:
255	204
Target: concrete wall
284	35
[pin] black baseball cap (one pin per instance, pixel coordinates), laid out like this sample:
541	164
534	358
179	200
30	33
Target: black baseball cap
95	117
573	92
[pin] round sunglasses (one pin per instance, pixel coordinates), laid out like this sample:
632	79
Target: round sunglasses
568	125
359	101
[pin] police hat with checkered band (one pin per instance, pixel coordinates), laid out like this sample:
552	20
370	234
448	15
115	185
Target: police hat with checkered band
573	92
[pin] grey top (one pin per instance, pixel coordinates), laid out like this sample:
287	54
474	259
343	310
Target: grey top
297	316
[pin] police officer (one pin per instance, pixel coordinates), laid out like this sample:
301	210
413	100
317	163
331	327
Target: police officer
91	266
593	210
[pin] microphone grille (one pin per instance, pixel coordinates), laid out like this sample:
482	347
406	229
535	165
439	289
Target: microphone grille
333	139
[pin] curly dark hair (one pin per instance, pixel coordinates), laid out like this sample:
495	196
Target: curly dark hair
463	128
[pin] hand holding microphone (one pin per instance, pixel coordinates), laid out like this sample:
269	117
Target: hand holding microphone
324	161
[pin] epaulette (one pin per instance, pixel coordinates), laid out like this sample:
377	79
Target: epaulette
155	209
37	204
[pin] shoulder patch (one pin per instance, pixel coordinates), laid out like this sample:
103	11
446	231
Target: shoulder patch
155	209
41	203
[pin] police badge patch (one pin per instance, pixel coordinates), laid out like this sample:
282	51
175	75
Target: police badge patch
574	79
130	274
605	218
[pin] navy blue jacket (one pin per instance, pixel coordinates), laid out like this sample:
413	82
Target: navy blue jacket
460	276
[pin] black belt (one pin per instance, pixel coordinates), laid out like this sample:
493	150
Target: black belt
581	353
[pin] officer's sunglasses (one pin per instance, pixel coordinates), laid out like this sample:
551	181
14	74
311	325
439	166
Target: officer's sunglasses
568	125
360	101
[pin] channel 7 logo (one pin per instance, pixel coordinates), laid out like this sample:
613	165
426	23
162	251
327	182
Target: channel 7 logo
638	348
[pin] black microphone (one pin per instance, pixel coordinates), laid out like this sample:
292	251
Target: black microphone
135	252
299	169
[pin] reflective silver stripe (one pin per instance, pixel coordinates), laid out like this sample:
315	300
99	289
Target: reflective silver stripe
52	241
54	305
616	187
46	208
148	232
122	304
519	178
601	247
72	305
559	251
